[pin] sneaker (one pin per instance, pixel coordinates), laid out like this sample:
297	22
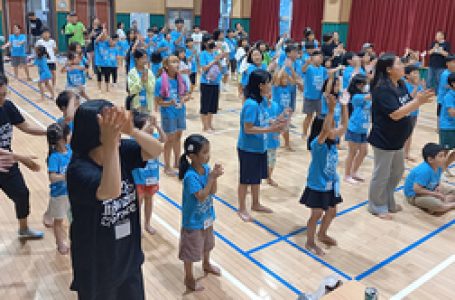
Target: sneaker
30	234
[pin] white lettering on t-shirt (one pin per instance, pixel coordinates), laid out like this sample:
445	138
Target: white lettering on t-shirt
6	134
117	210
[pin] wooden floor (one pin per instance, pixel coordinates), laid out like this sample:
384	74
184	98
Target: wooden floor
389	255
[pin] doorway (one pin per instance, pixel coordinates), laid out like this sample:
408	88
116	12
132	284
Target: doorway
185	14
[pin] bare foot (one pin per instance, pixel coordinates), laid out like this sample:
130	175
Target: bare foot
329	241
262	208
212	129
359	179
272	182
169	172
63	249
385	216
289	148
350	180
245	216
48	221
193	285
212	270
314	249
397	209
150	229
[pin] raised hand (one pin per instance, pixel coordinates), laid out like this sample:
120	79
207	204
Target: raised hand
111	121
217	171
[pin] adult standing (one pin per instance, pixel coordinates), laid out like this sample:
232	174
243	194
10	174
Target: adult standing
35	28
240	32
75	31
94	32
440	48
391	127
12	182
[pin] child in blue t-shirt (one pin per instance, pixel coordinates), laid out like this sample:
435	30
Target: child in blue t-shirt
122	47
18	44
359	123
281	94
273	139
414	85
147	179
171	94
199	185
443	86
75	74
67	102
57	162
314	76
45	75
191	57
322	192
423	186
447	123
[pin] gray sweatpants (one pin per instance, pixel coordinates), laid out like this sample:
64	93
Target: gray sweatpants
388	169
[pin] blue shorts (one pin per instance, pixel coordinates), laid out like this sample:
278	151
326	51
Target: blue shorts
172	125
359	138
293	97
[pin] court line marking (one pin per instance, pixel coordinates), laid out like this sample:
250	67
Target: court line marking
173	232
426	277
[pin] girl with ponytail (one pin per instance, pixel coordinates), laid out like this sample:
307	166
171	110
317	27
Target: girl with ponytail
199	185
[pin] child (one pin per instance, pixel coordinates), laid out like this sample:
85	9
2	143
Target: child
111	62
232	43
77	48
354	66
191	57
199	185
75	74
141	83
18	44
281	94
322	192
51	49
68	102
57	162
447	124
273	139
171	94
150	44
146	179
359	123
44	72
443	86
122	47
423	186
413	85
197	38
254	62
315	75
184	65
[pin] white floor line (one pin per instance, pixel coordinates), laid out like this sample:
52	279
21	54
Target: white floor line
225	274
432	273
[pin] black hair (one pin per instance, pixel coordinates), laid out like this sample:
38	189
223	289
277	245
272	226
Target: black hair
229	31
139	119
289	48
216	34
149	30
193	145
250	55
71	55
307	32
156	57
356	80
385	61
361	53
138	53
348	56
315	130
309	46
3	80
205	39
63	99
451	79
179	50
73	46
239	43
31	14
114	36
179	21
411	68
41	51
326	37
196	26
335	79
317	52
450	57
431	150
18	26
54	133
252	89
119	24
45	29
189	39
86	134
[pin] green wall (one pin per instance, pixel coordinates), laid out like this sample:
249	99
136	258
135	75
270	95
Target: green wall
341	28
157	20
125	19
244	21
61	20
197	20
1	22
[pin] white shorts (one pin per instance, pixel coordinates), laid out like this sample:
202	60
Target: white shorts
59	207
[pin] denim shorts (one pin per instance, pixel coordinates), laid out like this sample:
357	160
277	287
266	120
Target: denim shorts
172	125
359	138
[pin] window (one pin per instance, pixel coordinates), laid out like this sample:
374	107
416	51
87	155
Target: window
225	14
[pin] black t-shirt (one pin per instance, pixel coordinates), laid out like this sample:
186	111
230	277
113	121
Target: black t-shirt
105	235
9	116
437	60
97	31
327	48
36	27
386	133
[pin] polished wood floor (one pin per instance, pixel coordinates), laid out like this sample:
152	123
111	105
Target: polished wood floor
279	268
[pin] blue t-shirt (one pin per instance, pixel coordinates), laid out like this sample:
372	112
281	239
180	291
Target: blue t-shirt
445	120
256	114
314	80
322	173
206	58
18	49
165	44
150	175
232	43
101	53
170	112
75	77
298	67
70	125
410	88
193	61
57	163
155	68
423	175
282	96
282	58
347	74
443	85
111	57
43	69
174	37
359	122
123	47
152	47
196	215
248	71
273	138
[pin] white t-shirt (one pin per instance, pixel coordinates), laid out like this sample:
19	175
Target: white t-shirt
50	46
197	37
121	34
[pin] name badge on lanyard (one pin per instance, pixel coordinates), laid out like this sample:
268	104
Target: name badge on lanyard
122	230
151	181
208	223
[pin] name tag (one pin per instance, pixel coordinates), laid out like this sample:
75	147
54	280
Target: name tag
122	230
329	186
208	223
151	181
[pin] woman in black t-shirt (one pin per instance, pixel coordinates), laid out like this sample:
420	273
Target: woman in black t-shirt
391	126
105	232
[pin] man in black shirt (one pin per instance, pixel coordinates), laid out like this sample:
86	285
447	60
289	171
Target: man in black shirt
440	48
35	28
12	182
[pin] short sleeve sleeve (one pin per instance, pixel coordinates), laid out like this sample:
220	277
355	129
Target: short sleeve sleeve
386	100
158	88
13	113
250	113
203	60
422	178
52	164
192	183
131	155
